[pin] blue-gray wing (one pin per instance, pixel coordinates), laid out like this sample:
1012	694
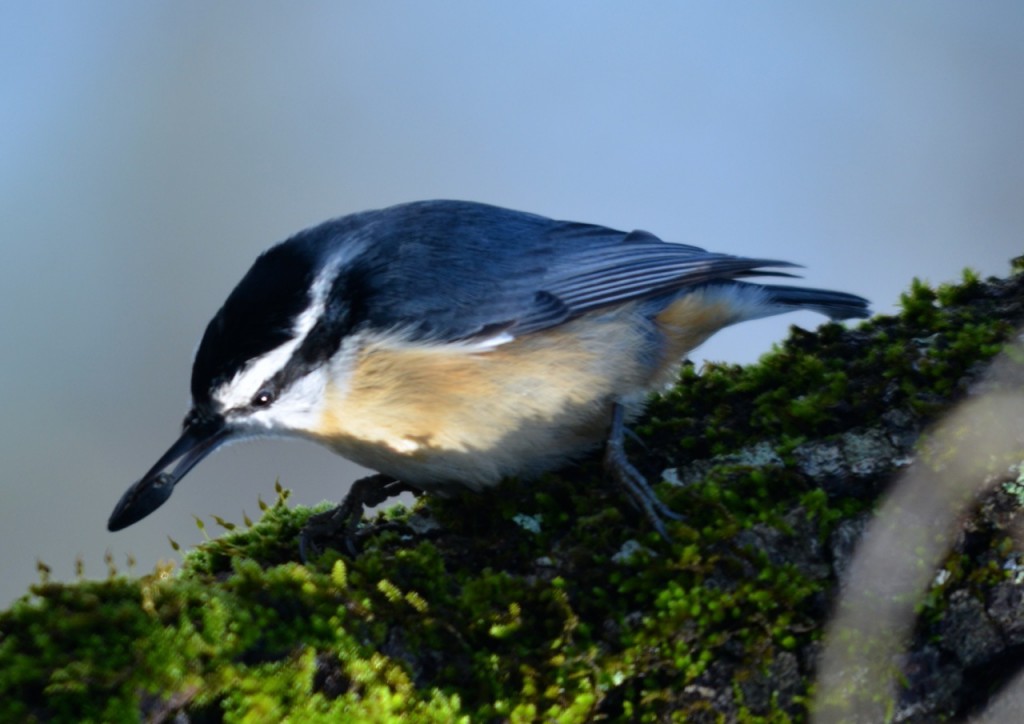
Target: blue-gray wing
630	267
457	270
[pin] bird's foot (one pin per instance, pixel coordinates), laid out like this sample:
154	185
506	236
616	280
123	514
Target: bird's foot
632	482
342	521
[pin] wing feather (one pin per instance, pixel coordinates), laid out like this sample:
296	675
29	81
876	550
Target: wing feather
451	271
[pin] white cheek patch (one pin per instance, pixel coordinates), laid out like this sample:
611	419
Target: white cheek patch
299	408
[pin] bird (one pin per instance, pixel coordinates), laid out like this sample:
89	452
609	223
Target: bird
448	345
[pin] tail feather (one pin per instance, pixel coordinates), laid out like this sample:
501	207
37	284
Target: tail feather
836	305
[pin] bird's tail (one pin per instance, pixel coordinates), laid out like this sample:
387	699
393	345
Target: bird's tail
836	305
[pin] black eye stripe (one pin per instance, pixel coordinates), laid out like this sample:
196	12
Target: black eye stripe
324	338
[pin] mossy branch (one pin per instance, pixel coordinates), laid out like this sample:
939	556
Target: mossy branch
464	612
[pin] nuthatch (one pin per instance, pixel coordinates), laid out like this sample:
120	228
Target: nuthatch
449	343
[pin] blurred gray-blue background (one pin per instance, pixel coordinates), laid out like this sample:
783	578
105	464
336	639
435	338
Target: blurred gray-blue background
149	151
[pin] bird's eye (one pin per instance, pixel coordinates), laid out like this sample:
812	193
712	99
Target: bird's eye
262	398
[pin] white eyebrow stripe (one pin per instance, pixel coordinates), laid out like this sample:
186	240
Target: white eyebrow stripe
248	380
318	292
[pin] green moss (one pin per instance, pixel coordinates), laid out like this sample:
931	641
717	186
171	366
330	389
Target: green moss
584	614
949	295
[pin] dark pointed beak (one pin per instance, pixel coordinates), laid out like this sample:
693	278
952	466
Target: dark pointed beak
199	439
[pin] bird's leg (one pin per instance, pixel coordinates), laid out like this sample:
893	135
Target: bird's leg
344	518
629	478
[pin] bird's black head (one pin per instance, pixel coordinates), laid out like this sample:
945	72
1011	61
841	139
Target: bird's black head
259	366
258	316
